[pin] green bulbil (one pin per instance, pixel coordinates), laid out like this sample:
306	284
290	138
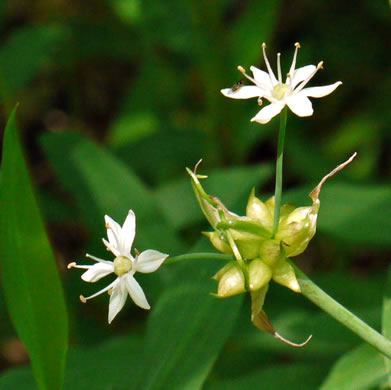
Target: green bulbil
231	281
259	274
270	252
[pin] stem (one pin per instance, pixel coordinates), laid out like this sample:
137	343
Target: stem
316	295
198	256
279	163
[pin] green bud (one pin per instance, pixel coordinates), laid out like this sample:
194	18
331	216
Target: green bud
296	230
270	252
257	209
284	274
259	274
231	281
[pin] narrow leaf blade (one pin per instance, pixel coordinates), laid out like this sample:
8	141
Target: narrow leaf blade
30	277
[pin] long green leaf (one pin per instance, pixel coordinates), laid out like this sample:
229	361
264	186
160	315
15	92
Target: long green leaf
187	329
101	184
30	277
386	322
359	369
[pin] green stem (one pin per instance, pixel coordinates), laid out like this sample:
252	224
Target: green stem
316	295
279	163
198	256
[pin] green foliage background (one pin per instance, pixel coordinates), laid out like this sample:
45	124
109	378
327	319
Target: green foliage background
118	96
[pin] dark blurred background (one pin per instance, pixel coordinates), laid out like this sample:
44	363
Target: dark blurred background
141	78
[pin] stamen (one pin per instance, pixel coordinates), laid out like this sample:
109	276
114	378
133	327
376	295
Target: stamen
243	71
279	67
110	286
74	265
269	69
98	259
305	82
293	66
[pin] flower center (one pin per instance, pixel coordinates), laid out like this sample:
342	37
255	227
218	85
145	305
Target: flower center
122	265
279	91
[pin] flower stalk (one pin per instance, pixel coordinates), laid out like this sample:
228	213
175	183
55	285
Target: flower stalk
317	296
279	165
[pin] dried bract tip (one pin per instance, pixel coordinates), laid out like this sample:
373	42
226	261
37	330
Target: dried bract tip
314	195
196	166
284	340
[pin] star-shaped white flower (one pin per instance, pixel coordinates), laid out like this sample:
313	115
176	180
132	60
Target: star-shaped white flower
279	94
124	266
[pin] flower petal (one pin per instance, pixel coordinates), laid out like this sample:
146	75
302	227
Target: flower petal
245	92
112	248
117	299
267	113
127	234
136	292
149	261
113	231
300	104
318	92
97	272
262	78
302	74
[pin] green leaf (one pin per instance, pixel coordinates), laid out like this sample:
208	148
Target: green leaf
26	52
186	330
100	368
351	212
232	185
101	185
30	277
296	376
386	321
254	26
362	368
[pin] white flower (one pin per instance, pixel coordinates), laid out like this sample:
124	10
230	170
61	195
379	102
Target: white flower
124	266
279	94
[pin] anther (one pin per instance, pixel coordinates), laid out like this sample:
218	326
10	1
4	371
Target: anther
264	45
71	265
110	291
259	101
320	65
107	226
82	299
297	45
136	252
241	69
